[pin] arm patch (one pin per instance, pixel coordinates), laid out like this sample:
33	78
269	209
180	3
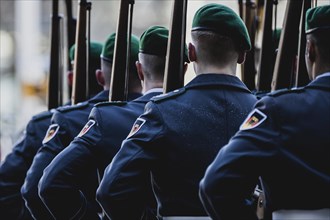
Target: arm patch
254	119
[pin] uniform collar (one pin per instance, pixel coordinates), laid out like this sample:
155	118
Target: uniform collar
133	95
213	79
158	90
149	94
100	97
323	75
322	82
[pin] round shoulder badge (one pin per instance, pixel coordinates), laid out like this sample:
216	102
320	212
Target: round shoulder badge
136	127
51	132
86	128
254	119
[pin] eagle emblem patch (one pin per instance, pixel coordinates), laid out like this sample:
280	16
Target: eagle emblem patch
51	132
86	128
136	126
254	119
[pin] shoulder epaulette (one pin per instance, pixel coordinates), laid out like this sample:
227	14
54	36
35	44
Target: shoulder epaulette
107	103
285	91
68	108
42	115
169	95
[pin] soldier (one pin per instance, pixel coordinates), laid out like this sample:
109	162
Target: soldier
13	169
66	124
285	140
179	133
109	123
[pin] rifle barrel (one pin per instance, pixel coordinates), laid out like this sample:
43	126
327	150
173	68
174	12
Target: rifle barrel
174	72
120	59
54	81
71	28
302	78
248	68
265	71
79	89
285	60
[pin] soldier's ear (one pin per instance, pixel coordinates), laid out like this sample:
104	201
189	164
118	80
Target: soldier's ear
192	52
310	50
100	77
139	69
70	78
241	57
185	68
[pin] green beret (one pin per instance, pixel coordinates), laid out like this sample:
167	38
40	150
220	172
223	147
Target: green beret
154	41
109	48
317	18
224	21
94	50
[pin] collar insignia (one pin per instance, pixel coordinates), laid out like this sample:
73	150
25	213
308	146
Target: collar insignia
51	132
254	119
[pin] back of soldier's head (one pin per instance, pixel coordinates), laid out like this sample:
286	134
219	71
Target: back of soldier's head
108	55
318	28
153	49
219	34
95	50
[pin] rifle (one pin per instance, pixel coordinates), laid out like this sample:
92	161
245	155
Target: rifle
285	60
264	74
248	68
71	28
120	68
55	79
240	8
80	71
301	73
174	72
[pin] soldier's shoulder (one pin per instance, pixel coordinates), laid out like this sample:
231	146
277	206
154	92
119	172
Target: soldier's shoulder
282	92
69	108
168	96
107	103
42	115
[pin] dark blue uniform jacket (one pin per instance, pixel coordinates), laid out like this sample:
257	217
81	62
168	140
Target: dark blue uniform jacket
14	167
66	123
109	123
286	141
176	138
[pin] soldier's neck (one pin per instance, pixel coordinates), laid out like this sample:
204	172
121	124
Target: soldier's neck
202	69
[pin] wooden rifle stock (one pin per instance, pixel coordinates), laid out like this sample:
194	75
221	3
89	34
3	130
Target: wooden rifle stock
80	71
285	60
302	78
248	68
174	68
120	69
55	80
265	70
71	28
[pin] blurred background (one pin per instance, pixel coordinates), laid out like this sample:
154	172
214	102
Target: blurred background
25	27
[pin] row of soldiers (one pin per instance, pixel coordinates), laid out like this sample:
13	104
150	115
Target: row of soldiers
194	153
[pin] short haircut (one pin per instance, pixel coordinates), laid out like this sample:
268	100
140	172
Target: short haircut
321	38
107	70
214	49
153	66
